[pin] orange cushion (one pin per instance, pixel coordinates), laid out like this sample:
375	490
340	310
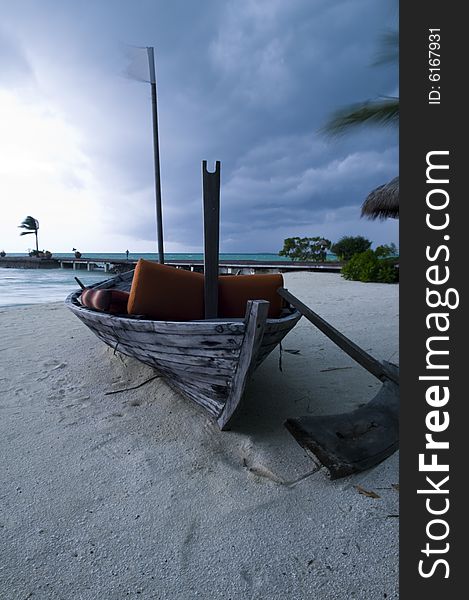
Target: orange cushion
165	293
235	290
111	301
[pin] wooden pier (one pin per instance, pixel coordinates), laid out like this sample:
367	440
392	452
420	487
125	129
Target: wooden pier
27	262
109	265
112	265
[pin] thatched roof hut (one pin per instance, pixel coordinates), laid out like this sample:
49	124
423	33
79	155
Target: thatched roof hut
383	202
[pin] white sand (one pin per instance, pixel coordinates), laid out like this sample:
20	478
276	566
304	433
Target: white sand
138	495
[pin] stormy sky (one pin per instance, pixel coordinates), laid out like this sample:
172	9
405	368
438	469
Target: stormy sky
246	82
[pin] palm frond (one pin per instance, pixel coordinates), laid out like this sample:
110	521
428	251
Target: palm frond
27	232
30	223
388	52
377	112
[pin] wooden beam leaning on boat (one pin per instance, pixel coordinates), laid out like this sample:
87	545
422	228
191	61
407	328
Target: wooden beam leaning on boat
358	440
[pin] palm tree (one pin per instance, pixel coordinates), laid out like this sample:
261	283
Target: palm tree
383	202
31	225
381	111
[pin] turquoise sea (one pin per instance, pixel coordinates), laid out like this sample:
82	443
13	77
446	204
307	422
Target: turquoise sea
33	286
170	256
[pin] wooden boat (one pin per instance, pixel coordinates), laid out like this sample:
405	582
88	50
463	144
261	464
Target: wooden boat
208	361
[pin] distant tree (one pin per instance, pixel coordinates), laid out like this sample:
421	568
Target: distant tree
386	250
31	225
307	248
347	246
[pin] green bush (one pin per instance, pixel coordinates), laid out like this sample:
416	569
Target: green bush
349	245
386	250
367	266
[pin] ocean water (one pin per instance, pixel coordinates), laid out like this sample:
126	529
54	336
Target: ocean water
169	256
33	286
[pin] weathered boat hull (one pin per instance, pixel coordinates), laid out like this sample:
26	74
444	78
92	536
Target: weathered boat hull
207	361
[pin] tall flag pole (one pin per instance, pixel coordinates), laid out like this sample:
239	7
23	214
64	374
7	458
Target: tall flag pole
156	151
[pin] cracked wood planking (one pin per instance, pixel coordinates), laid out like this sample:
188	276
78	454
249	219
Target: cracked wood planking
208	361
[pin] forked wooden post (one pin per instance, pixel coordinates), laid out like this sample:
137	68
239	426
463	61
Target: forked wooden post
255	320
211	193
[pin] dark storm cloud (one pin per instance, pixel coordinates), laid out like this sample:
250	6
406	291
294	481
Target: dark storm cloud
248	82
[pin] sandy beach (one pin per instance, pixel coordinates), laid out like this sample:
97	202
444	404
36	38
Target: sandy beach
137	494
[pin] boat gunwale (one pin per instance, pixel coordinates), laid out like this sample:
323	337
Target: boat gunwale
72	302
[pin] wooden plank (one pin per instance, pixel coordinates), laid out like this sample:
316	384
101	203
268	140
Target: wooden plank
168	351
152	339
182	328
205	374
221	365
286	323
201	364
179	359
256	316
211	393
212	406
270	342
225	330
202	327
275	338
211	200
201	380
355	441
210	387
180	353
